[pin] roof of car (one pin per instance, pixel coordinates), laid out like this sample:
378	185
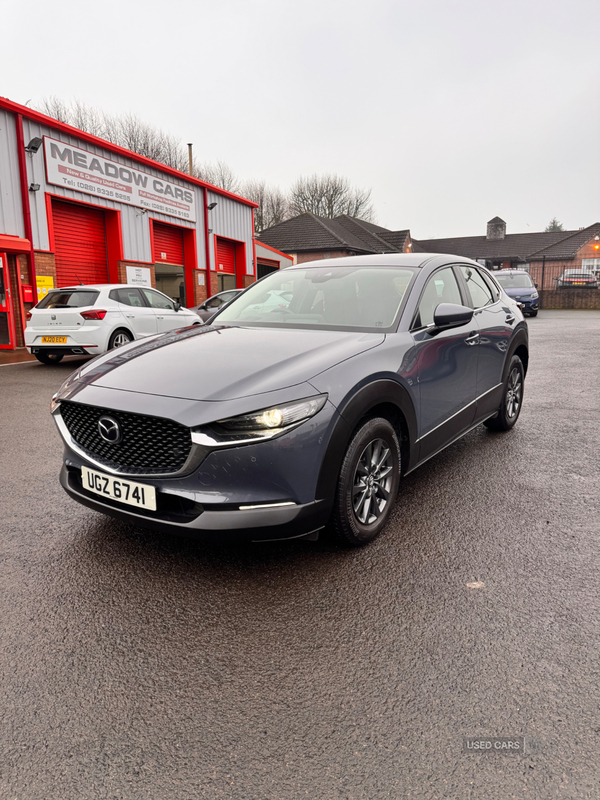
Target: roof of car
382	260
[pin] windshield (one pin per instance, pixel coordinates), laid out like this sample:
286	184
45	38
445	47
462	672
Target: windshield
68	298
353	298
514	281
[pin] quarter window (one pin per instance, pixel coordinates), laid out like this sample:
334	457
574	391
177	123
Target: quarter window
481	294
441	288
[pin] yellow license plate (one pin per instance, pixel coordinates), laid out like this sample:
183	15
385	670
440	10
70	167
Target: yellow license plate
54	339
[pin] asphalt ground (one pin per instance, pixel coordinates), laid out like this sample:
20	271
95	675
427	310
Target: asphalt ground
136	665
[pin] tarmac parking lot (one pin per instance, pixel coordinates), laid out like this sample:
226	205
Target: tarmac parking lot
135	665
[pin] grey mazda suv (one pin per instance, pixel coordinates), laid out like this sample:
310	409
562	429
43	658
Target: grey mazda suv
275	421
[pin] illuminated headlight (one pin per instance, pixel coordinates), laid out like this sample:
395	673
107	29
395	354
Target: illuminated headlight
263	424
276	417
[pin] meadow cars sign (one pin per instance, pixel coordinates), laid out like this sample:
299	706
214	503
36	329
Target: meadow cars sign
89	173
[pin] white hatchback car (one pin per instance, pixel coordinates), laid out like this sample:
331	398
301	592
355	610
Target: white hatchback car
88	320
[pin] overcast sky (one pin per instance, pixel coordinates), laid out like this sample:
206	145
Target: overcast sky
451	112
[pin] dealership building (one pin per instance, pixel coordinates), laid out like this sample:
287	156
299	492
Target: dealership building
76	209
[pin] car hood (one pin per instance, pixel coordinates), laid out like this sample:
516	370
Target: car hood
224	363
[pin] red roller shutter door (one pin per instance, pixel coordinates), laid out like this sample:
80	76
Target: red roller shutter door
168	244
225	257
80	244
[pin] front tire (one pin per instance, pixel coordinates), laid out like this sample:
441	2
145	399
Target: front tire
512	398
533	314
368	484
49	358
119	338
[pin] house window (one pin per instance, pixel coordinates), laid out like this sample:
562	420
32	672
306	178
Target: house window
590	264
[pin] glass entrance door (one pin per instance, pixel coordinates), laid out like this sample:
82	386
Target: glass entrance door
6	321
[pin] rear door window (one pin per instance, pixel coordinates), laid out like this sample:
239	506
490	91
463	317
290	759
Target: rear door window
128	297
69	298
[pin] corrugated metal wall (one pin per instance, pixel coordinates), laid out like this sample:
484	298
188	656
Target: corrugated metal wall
135	224
11	210
232	220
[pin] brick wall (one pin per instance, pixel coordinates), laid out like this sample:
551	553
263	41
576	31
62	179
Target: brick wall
587	299
46	265
301	258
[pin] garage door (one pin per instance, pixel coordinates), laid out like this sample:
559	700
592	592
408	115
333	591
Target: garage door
225	256
80	244
168	244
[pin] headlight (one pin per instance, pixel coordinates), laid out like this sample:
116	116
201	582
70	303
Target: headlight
534	296
263	424
54	403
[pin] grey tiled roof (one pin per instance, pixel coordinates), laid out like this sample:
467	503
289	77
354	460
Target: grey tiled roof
305	232
513	246
568	247
308	232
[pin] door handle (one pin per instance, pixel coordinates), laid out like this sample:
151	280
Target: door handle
472	338
510	319
129	316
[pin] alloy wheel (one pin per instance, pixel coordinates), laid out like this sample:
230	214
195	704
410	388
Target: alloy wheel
514	393
372	482
121	339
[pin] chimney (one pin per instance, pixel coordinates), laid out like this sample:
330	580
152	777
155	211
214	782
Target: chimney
496	229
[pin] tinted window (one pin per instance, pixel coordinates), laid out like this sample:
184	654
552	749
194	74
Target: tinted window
128	297
68	298
157	300
480	291
442	287
339	297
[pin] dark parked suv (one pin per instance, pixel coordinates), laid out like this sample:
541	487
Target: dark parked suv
279	418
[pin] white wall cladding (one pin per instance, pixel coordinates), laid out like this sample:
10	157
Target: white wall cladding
232	220
11	209
135	224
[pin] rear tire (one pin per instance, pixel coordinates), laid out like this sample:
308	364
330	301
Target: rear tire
119	338
367	484
49	358
512	398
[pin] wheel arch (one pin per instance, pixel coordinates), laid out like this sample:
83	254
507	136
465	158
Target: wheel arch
519	347
385	398
120	329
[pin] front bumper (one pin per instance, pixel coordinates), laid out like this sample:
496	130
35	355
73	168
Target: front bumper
193	520
260	491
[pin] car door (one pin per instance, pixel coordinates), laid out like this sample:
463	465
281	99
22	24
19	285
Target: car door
167	318
446	367
496	323
140	317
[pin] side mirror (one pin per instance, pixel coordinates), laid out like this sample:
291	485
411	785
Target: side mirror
535	284
450	315
177	306
202	306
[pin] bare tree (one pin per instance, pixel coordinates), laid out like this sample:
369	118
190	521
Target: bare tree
127	131
273	206
554	225
324	195
330	196
219	174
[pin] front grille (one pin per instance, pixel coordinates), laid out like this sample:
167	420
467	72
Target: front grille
149	445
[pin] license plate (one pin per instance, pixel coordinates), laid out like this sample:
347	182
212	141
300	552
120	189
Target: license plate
134	494
54	339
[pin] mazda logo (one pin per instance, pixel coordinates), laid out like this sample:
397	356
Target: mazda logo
109	430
